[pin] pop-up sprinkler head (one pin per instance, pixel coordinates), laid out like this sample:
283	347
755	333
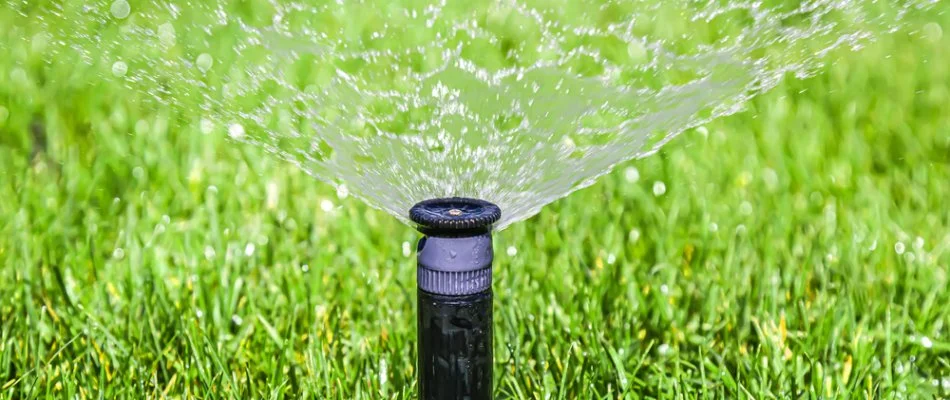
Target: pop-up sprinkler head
455	299
456	255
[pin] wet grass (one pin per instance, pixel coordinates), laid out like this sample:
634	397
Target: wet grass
799	249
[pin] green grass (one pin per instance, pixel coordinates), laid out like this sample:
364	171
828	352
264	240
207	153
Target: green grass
140	258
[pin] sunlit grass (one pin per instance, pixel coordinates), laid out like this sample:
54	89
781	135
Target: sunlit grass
799	249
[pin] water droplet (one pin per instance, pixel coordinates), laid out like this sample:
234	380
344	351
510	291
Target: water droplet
142	127
206	126
770	177
511	251
326	205
383	374
659	188
237	320
209	253
664	289
634	235
305	268
933	32
199	314
611	259
166	34
342	192
120	9
631	174
273	194
138	173
39	42
919	243
637	51
899	247
568	144
741	229
926	342
713	227
118	253
406	249
19	75
236	131
703	131
664	349
249	249
204	62
119	69
745	208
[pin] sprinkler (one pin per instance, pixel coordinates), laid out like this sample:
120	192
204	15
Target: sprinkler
454	263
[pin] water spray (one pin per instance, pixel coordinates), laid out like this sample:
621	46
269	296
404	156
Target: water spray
454	266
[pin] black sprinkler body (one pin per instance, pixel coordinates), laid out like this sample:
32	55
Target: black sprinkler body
454	263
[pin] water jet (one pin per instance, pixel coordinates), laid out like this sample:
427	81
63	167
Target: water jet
454	317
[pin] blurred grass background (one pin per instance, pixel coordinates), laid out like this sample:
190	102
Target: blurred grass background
799	249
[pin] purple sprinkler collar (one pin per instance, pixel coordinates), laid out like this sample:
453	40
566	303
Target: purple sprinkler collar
455	256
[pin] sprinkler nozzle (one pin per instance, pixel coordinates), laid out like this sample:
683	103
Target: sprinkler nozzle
455	256
454	215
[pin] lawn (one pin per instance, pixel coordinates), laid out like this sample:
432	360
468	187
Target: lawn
798	249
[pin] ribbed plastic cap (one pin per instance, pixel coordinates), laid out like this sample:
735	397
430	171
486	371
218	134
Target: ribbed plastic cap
450	283
454	214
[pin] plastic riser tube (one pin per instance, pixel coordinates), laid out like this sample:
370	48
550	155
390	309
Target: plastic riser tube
455	298
455	346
